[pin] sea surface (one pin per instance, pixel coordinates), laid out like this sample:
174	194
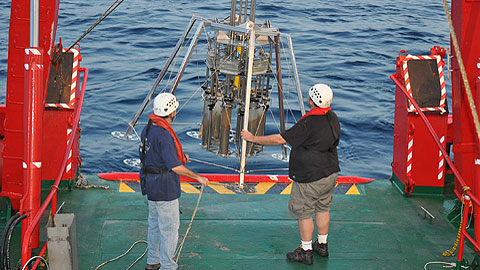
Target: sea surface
350	45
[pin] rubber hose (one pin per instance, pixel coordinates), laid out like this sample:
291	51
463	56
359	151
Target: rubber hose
4	240
9	238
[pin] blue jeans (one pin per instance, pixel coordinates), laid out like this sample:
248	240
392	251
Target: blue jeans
163	224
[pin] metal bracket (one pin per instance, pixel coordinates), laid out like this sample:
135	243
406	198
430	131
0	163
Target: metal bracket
427	215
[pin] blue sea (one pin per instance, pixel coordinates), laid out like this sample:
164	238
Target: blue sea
350	45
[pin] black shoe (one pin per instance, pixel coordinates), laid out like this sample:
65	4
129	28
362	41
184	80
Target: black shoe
152	266
300	255
320	249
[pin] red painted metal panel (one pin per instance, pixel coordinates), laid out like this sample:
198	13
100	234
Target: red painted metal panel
2	135
19	39
466	19
56	123
425	167
400	131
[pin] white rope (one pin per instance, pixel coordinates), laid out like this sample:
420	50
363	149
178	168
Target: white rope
179	249
446	265
33	258
463	72
125	253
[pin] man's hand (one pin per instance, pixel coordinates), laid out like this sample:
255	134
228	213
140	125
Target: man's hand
274	139
203	180
247	135
187	158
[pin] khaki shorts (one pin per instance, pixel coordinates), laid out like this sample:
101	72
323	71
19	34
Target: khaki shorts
307	198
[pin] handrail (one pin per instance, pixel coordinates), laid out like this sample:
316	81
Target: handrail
36	220
437	141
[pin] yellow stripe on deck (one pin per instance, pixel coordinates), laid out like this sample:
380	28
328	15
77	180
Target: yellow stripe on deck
188	188
125	188
353	190
287	190
220	188
263	187
254	188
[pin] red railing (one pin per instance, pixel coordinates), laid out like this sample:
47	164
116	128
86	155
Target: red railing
467	193
52	196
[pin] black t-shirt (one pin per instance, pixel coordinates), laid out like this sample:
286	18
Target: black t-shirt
314	148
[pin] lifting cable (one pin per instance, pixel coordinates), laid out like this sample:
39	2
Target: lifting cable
214	165
97	22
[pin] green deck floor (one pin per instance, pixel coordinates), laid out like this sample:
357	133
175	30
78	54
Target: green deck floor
379	229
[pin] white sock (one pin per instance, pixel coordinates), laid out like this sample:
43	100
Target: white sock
307	245
322	238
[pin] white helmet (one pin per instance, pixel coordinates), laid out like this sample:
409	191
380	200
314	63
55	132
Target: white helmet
164	104
321	95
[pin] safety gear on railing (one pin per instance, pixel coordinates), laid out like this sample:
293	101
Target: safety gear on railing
164	104
321	95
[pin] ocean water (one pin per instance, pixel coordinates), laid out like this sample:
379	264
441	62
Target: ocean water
350	45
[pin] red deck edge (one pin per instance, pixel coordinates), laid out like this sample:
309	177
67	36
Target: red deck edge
230	178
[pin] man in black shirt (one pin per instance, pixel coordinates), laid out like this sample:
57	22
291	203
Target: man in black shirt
313	167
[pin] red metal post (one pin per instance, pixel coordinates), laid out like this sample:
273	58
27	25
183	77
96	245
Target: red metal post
476	95
26	248
466	22
33	122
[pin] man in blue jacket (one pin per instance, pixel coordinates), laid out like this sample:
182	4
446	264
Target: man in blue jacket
163	162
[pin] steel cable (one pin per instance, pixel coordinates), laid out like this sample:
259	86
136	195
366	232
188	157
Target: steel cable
97	22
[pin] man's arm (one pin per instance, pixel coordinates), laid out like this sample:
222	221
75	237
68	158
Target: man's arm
184	171
275	139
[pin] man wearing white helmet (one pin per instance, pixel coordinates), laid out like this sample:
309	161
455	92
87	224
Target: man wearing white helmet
163	162
313	167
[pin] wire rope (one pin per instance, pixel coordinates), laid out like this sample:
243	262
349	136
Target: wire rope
95	24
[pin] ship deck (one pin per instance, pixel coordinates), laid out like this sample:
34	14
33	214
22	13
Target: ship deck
374	227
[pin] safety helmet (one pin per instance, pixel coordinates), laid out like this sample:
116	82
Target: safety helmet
164	104
321	95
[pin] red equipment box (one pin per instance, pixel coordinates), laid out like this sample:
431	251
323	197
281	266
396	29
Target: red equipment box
418	165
